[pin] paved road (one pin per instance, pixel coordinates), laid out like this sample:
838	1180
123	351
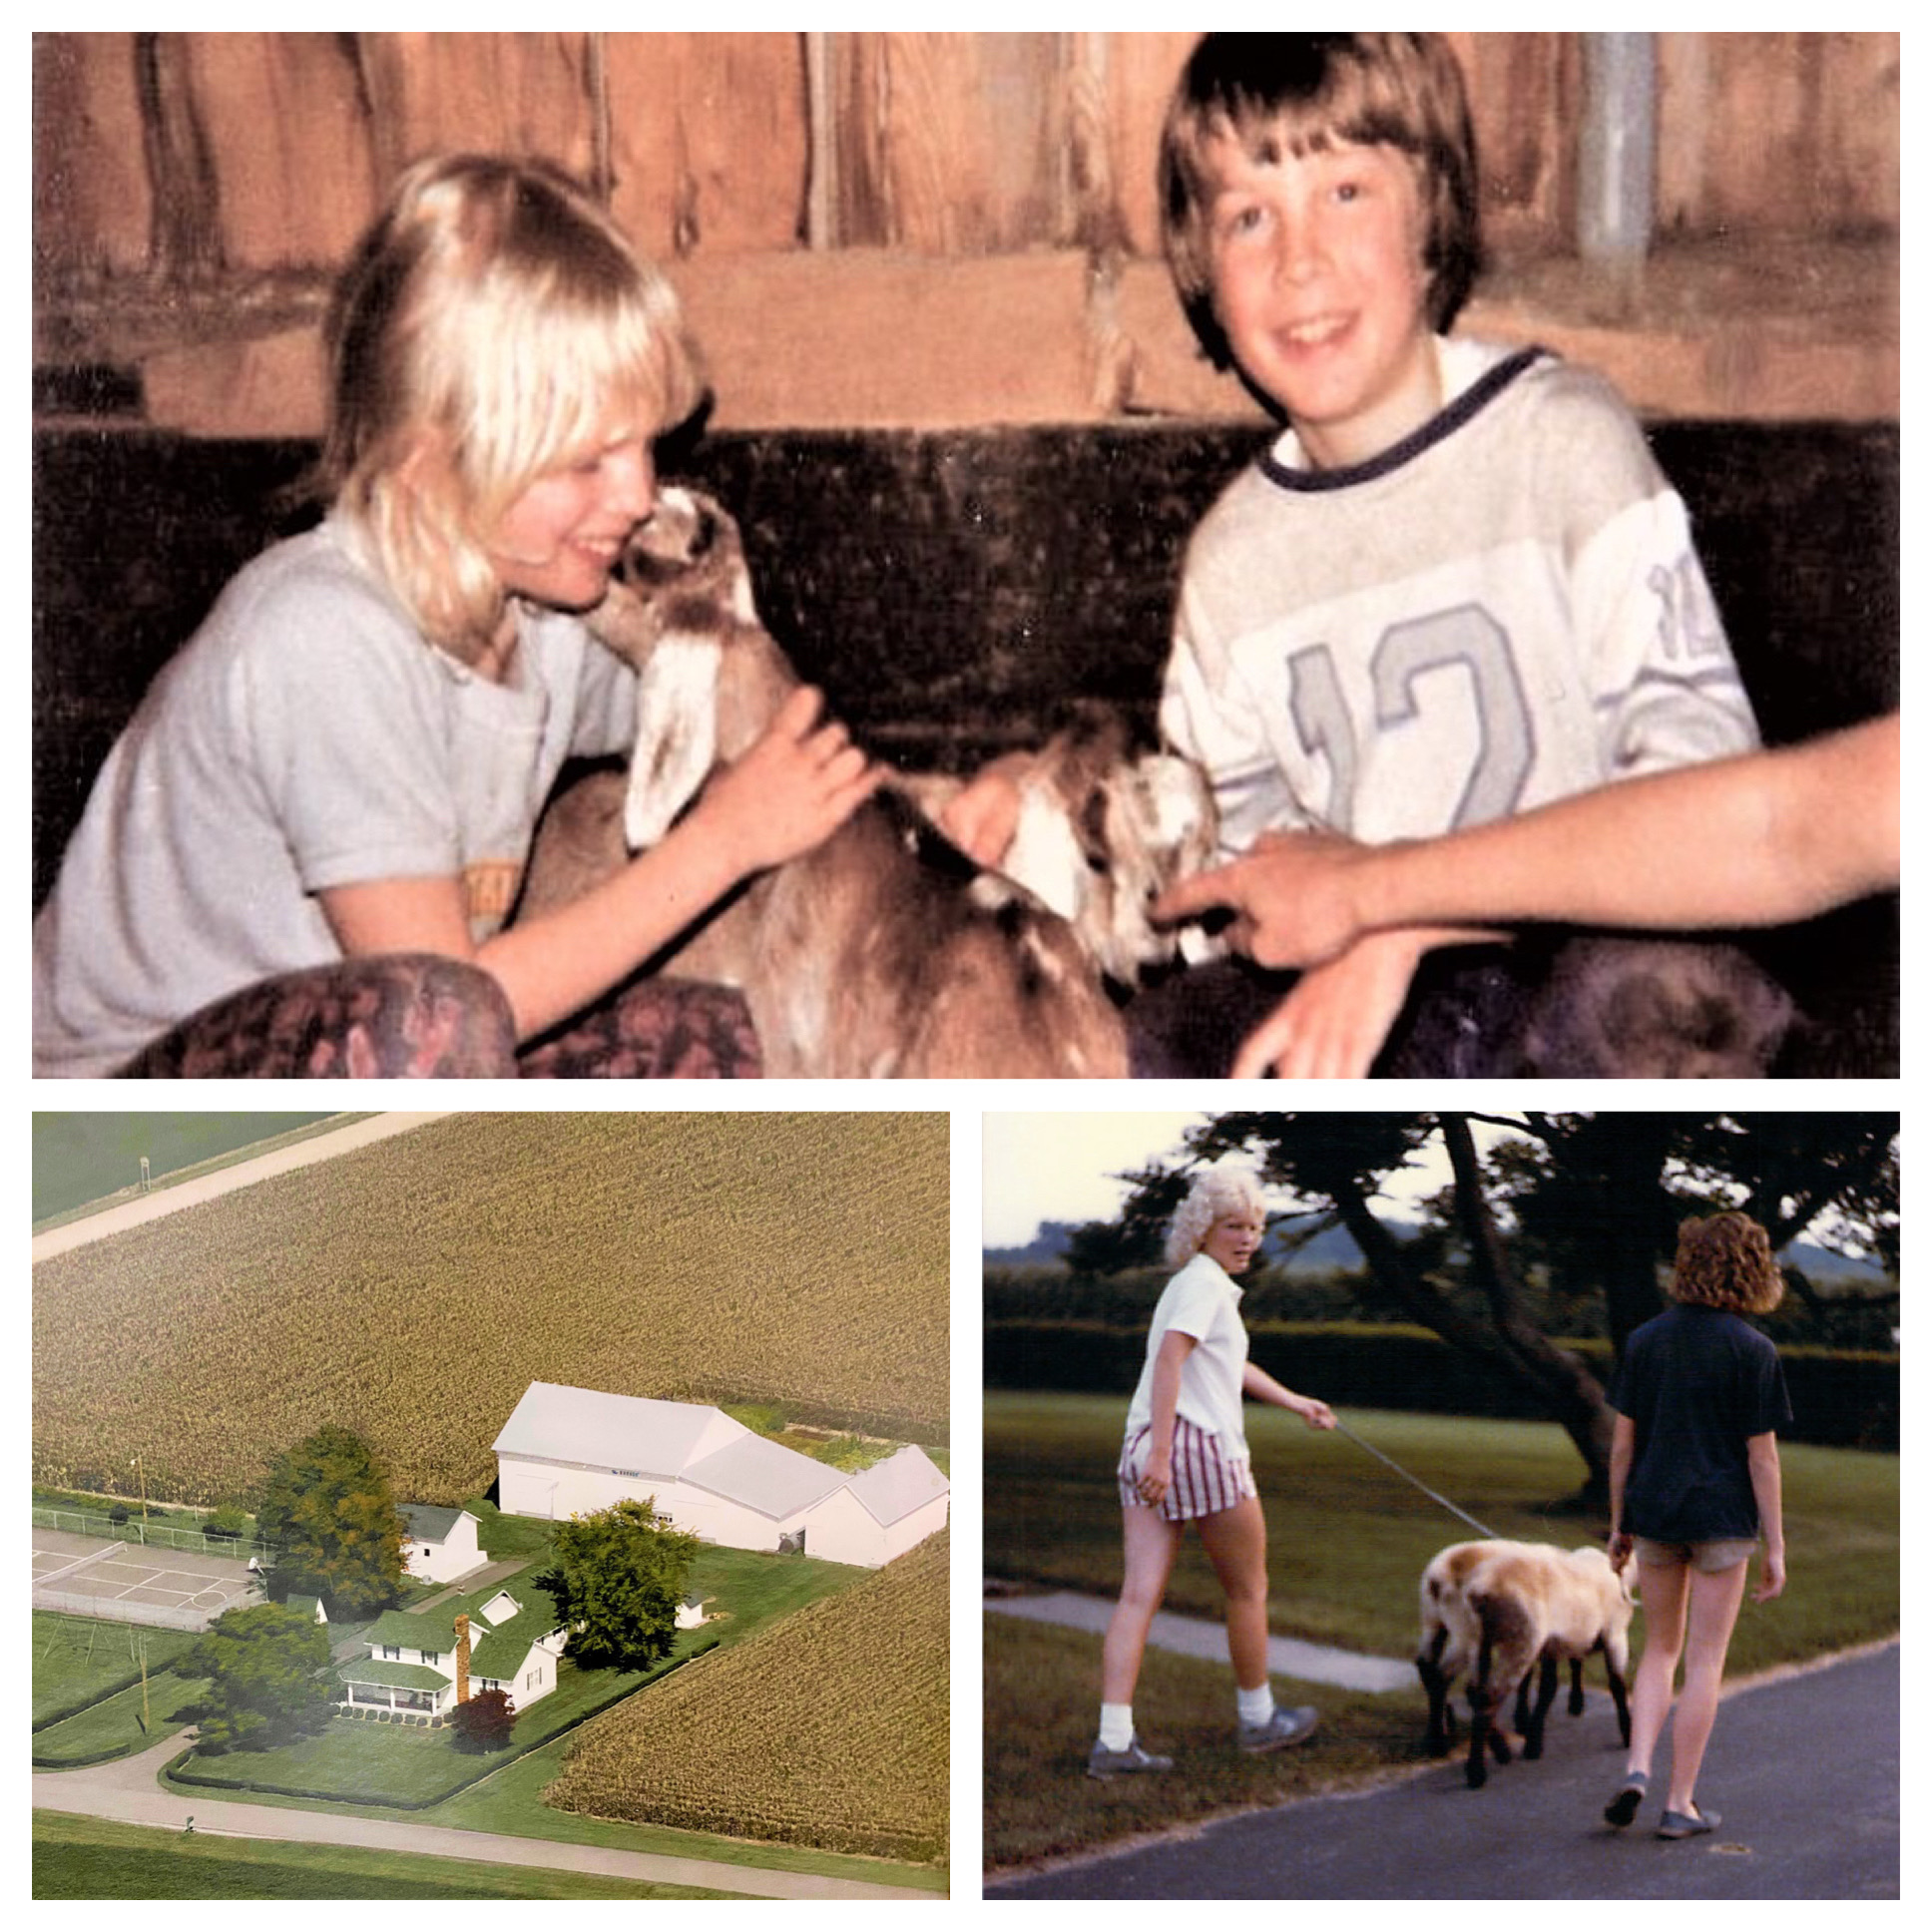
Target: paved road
1802	1770
243	1173
126	1789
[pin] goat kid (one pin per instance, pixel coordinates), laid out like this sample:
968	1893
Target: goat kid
884	951
1495	1608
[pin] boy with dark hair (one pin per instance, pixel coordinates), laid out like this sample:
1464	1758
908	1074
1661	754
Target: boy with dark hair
1456	585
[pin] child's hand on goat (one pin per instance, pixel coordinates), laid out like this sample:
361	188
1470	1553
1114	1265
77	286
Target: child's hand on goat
791	790
1332	1025
982	818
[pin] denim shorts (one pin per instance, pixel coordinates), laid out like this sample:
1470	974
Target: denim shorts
1721	1552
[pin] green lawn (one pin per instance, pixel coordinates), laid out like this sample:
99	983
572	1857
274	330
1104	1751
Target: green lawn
1348	1542
1347	1537
97	1859
115	1726
80	1659
80	1159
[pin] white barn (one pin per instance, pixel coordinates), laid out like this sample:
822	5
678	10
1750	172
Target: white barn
568	1451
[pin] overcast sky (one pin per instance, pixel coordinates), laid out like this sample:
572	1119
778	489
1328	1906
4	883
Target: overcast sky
1036	1167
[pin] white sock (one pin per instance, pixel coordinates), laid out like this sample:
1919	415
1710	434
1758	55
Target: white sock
1116	1726
1255	1707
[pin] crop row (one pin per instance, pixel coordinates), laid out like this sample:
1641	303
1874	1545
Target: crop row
830	1728
413	1290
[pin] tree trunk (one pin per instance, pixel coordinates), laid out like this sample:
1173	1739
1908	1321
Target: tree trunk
1572	1393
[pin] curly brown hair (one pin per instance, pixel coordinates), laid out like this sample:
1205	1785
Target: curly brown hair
1725	1261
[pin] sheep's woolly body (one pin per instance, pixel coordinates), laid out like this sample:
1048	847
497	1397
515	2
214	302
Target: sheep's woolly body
1492	1611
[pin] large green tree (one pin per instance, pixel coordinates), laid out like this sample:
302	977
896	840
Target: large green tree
267	1668
1593	1199
332	1519
618	1579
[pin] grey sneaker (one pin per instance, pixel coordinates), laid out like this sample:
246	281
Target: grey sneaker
1102	1763
1688	1824
1284	1727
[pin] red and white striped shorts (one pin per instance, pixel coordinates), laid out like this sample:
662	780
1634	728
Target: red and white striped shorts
1207	1478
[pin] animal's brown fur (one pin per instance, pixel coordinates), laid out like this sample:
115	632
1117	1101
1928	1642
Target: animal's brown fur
1655	1009
884	951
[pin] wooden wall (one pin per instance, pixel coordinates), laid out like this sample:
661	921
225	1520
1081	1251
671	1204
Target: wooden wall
869	227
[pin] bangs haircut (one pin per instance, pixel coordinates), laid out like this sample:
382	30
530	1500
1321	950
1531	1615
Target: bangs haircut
1726	1262
1217	1193
1276	95
493	324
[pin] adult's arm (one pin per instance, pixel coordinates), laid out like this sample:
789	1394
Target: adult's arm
1759	839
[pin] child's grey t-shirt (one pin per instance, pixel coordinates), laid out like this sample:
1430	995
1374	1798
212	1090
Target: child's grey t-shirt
306	737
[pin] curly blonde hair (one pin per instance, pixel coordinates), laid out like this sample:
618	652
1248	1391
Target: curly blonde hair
1217	1192
1725	1261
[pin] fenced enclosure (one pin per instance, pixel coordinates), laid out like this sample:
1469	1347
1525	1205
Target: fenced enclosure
119	1610
152	1531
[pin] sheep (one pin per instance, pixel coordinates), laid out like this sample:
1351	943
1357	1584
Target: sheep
885	951
1492	1610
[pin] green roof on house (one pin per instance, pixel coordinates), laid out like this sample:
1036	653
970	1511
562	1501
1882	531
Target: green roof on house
388	1672
435	1630
408	1631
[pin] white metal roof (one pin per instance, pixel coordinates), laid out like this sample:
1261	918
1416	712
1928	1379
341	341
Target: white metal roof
899	1485
635	1433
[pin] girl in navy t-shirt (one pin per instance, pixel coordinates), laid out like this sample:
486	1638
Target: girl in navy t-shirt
1693	1478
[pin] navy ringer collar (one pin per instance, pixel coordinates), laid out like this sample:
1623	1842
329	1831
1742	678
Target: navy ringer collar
1445	422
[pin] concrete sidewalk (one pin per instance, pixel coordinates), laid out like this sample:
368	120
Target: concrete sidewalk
1201	1637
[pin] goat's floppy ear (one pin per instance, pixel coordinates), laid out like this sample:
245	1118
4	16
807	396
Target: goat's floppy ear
677	741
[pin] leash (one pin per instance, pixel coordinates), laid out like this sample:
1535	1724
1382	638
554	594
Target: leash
1344	1430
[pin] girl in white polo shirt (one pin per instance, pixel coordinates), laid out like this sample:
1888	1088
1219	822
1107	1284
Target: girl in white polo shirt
1185	1460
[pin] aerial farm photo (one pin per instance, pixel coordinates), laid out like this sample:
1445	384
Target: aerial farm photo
491	1506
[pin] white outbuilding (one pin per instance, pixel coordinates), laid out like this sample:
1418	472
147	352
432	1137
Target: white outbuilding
441	1545
568	1451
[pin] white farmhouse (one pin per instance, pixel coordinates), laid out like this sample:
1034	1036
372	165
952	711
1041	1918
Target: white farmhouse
441	1545
568	1451
425	1662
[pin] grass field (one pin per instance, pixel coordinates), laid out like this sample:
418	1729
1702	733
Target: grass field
82	1159
81	1659
797	1259
97	1859
1347	1541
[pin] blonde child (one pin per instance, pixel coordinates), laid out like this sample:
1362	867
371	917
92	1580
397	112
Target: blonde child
1693	1482
299	856
1185	1460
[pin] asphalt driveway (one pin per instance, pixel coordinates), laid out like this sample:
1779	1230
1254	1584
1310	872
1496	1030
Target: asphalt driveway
1802	1770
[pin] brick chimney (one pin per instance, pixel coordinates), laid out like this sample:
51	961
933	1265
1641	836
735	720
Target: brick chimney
462	1659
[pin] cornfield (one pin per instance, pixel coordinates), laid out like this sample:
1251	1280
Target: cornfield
829	1730
411	1290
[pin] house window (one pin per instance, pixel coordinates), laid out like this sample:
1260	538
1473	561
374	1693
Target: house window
393	1650
432	1658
